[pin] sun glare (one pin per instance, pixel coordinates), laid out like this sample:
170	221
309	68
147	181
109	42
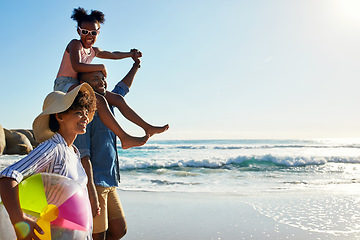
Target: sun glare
348	10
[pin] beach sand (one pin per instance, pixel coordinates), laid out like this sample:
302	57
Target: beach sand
154	215
273	215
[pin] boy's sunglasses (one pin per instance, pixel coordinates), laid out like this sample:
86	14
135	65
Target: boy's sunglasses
86	32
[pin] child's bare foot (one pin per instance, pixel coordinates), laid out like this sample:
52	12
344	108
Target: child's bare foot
155	130
130	141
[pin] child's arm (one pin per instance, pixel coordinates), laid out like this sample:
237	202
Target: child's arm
74	48
134	53
9	193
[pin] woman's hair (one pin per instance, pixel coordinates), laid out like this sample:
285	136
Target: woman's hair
82	100
80	15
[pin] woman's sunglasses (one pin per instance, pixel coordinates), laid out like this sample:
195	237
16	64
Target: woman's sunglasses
86	32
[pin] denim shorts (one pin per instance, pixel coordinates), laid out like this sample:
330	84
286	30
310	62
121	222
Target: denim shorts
64	83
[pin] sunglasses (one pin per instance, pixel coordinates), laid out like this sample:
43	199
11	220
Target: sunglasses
86	32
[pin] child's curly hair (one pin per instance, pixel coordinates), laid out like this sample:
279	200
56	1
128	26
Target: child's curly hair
80	15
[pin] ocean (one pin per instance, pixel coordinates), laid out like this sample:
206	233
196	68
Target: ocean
238	166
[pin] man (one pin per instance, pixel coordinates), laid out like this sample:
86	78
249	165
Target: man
99	153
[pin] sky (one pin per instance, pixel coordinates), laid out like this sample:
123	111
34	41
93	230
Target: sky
211	69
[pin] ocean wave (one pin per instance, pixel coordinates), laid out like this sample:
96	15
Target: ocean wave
240	161
166	182
286	146
239	147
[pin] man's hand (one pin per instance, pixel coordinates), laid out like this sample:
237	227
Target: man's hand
136	57
95	206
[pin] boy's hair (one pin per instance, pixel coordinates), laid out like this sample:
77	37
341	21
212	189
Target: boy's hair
82	100
80	15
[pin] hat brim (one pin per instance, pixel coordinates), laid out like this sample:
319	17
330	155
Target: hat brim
57	102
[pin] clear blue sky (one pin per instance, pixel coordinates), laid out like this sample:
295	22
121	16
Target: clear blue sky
211	68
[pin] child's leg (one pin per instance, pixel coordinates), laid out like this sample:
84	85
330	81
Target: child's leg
118	101
109	120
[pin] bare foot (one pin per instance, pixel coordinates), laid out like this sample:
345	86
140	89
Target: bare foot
155	130
130	141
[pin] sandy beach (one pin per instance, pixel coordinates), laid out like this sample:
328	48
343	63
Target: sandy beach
199	216
152	215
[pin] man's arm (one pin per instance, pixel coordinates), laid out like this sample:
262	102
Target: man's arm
83	143
94	200
122	87
129	78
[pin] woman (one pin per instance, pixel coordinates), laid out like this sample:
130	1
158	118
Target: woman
64	116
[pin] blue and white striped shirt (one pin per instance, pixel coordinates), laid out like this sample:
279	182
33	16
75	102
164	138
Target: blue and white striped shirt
52	156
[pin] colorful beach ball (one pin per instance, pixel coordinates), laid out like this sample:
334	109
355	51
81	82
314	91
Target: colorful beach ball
59	205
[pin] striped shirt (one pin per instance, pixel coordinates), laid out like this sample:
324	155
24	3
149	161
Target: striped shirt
52	156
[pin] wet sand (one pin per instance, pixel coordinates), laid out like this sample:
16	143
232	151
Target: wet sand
152	215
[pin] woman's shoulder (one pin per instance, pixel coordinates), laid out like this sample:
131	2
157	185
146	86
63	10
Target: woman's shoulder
47	145
56	141
45	149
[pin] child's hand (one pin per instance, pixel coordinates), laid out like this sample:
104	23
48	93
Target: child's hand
104	71
136	53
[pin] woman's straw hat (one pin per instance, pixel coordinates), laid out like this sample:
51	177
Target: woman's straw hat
57	102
